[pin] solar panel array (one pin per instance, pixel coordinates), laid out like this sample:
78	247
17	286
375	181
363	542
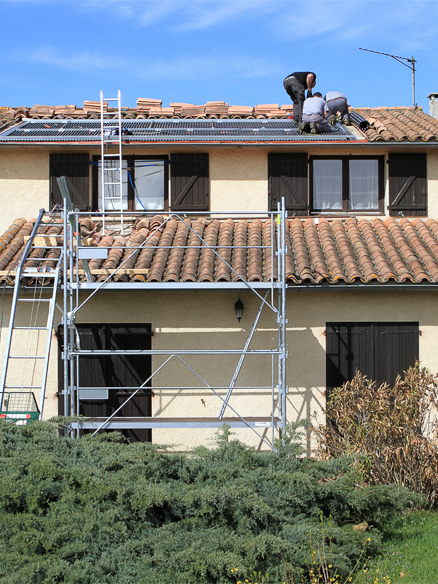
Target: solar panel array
168	130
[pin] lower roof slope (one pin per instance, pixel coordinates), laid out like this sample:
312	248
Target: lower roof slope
168	249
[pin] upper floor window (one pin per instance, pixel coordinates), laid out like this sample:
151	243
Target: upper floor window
347	184
144	184
338	184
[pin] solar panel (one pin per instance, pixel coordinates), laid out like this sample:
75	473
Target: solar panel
169	130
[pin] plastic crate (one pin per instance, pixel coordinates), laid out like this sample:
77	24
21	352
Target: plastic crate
19	408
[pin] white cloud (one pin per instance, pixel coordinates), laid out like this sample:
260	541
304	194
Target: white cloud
184	67
178	14
389	23
81	61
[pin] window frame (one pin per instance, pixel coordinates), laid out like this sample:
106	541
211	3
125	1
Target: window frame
131	158
345	159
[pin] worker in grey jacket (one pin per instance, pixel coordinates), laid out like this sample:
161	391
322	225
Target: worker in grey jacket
314	115
337	102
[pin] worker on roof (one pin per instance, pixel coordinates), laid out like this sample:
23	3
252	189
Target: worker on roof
337	102
314	115
295	85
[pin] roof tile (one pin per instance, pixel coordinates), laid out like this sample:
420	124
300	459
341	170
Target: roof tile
166	249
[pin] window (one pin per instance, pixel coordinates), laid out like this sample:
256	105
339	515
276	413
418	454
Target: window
380	350
337	183
347	184
144	184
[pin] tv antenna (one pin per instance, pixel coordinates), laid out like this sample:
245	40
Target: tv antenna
411	66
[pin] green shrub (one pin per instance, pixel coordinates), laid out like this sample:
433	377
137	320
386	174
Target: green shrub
97	510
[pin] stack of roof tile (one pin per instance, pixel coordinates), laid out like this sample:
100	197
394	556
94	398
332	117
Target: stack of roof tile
42	110
240	111
177	107
267	110
162	111
189	110
217	108
144	104
94	106
64	109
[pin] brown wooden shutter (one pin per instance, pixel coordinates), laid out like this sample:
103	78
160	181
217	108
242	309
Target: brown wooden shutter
380	350
190	184
408	184
288	178
75	167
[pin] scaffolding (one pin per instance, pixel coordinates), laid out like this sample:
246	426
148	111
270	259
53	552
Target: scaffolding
271	294
74	253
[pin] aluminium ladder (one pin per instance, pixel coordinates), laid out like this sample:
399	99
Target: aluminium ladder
111	162
27	370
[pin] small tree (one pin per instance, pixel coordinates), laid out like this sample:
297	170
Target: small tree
394	428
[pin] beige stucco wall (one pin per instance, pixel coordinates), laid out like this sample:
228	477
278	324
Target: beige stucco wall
432	184
206	320
24	184
239	180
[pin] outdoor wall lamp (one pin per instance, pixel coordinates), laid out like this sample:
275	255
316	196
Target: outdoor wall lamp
238	309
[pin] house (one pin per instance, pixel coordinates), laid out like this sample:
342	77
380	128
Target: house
347	280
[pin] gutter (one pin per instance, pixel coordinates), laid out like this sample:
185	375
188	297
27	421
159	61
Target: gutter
396	287
241	145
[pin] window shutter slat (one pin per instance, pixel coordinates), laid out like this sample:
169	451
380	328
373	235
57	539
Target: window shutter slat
190	182
379	350
288	178
408	184
75	167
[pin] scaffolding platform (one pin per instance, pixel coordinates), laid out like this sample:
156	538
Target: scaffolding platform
161	422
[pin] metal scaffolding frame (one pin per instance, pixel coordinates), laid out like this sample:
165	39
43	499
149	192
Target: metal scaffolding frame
271	294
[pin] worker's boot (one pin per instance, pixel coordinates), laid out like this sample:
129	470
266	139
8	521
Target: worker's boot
313	128
332	120
347	121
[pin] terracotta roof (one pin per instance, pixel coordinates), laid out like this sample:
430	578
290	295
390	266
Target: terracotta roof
167	249
399	123
387	124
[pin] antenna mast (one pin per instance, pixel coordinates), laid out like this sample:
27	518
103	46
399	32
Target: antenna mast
411	66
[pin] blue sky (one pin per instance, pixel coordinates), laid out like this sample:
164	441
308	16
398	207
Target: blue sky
239	51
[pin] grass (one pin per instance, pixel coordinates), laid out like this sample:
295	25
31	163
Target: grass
410	555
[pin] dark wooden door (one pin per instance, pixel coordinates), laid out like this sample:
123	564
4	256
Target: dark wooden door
126	372
380	350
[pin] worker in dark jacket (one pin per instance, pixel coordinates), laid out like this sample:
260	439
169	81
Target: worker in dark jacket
295	85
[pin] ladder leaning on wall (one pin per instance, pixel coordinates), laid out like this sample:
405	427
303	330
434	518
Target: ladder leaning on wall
111	179
29	337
